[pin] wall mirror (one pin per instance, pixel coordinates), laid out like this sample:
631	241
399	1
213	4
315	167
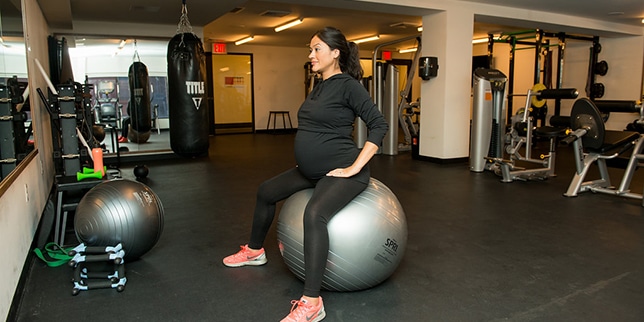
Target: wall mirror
106	64
16	136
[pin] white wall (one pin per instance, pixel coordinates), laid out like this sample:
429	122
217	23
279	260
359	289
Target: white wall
13	62
23	202
278	78
624	77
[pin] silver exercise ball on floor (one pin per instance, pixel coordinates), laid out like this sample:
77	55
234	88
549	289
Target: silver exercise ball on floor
367	238
120	211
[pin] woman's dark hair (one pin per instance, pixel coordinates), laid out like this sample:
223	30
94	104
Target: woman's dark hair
349	52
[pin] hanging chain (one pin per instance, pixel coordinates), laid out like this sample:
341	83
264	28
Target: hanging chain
136	57
184	24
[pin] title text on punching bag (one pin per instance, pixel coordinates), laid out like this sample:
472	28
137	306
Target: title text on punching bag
195	88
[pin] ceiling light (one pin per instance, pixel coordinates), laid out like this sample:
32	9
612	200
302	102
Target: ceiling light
479	40
408	50
372	38
403	25
288	25
243	41
642	20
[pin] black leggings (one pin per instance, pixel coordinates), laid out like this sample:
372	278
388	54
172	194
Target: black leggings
125	126
331	194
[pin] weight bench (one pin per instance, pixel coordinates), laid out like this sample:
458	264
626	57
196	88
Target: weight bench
592	143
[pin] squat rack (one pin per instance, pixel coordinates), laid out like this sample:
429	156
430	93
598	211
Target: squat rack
539	43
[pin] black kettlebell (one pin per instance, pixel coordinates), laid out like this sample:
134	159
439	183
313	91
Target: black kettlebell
141	171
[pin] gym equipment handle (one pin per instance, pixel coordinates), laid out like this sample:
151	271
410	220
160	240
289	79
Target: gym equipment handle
618	106
572	137
558	93
568	140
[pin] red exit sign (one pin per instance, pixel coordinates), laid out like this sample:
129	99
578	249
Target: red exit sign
218	48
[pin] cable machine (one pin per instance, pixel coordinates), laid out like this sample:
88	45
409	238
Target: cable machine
384	91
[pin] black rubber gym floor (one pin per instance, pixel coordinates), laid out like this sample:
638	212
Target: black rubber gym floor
478	249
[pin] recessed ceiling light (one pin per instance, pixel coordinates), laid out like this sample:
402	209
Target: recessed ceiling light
288	25
403	25
616	13
244	40
358	41
408	50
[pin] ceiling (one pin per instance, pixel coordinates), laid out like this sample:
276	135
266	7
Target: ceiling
230	20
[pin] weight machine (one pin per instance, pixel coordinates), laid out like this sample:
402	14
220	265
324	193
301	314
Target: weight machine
592	144
521	134
392	103
408	114
489	138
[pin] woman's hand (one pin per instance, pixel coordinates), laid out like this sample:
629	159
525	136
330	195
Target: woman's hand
365	155
342	172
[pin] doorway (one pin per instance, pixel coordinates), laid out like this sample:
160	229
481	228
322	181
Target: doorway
233	107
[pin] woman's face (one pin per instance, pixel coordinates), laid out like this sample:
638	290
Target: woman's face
323	59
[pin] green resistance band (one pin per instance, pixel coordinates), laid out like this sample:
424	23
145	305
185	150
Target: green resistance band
55	254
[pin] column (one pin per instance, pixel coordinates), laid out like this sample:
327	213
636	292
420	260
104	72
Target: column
446	99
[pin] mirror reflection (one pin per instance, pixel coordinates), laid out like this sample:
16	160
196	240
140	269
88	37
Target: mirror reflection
16	140
112	66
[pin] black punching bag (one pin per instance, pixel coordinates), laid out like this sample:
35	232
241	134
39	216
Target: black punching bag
139	109
189	128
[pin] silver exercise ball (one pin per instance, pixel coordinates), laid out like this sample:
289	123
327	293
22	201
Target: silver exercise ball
120	211
367	238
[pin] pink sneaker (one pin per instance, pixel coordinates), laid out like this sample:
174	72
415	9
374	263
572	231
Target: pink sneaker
246	256
302	311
